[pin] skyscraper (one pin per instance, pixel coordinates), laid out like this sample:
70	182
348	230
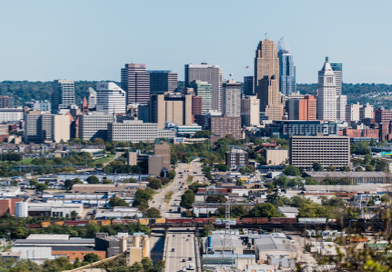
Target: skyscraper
207	73
110	98
338	71
232	99
135	81
91	97
249	85
326	93
162	81
287	71
250	111
63	95
267	80
204	90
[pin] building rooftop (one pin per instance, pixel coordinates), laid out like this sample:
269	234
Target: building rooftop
365	187
288	209
48	237
341	174
269	243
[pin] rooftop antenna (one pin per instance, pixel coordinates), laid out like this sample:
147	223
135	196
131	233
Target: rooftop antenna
266	36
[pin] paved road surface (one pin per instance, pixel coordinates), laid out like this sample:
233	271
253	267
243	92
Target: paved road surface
159	199
184	247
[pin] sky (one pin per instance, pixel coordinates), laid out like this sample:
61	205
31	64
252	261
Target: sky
43	40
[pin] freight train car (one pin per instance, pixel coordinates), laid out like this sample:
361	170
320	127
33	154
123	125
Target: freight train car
124	221
179	221
315	221
283	220
254	220
204	220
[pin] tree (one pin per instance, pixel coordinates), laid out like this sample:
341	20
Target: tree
382	165
116	201
91	258
346	168
155	184
369	168
160	266
281	181
74	214
264	210
130	180
291	170
41	187
152	213
93	180
147	264
245	170
222	167
239	182
367	159
331	168
70	182
187	199
202	134
359	168
317	166
361	148
107	181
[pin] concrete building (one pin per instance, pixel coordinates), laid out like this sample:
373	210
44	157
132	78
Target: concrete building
341	103
276	156
6	101
171	107
40	128
162	149
8	205
249	85
352	112
366	111
302	109
327	150
269	244
135	81
91	96
231	96
131	158
197	106
203	89
288	128
93	126
11	115
111	99
237	157
53	209
289	212
162	81
354	177
287	71
224	125
136	131
267	80
338	71
382	115
207	73
250	111
326	93
63	95
155	165
43	105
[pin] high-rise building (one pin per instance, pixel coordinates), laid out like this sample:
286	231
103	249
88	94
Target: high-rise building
302	109
40	128
111	99
206	73
135	81
162	148
352	112
171	107
232	98
326	93
224	125
162	81
91	126
267	80
250	111
6	101
249	85
91	96
203	89
63	95
366	111
338	71
287	76
341	102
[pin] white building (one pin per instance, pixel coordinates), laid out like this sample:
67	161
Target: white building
54	209
21	209
94	126
366	111
35	254
341	102
250	111
326	93
91	97
110	98
7	114
136	131
232	98
353	112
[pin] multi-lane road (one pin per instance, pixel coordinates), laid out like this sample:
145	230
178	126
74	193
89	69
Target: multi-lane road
180	251
169	210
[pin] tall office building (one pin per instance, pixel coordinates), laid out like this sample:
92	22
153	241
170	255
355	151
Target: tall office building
6	101
203	89
267	80
353	112
40	128
91	126
91	96
250	111
302	109
287	76
207	73
63	95
341	102
232	98
135	81
249	85
162	81
326	93
338	71
110	98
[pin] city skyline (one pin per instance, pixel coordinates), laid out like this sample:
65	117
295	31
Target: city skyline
87	41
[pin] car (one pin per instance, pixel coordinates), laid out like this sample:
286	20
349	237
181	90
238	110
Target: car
180	173
187	240
189	235
170	210
183	260
174	235
153	201
194	172
190	259
173	249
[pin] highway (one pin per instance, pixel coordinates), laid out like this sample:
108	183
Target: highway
158	200
183	243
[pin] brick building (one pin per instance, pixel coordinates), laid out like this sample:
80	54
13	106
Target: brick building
223	125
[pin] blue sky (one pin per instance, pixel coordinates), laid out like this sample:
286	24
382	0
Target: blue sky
93	39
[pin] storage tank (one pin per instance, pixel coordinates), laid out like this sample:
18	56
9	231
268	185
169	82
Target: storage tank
146	246
136	240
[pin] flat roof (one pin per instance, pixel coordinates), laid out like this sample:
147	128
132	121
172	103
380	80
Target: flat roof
48	236
269	243
341	174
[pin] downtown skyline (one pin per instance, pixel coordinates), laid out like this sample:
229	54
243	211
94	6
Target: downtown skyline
80	44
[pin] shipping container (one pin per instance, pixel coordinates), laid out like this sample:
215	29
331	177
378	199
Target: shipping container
160	220
203	220
144	221
179	221
59	223
105	222
254	220
222	221
309	220
283	220
124	221
93	222
45	224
